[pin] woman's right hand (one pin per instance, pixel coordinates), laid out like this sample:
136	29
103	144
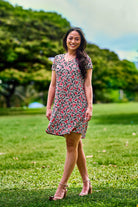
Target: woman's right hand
48	113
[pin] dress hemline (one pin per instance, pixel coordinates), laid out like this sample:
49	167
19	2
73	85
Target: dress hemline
62	135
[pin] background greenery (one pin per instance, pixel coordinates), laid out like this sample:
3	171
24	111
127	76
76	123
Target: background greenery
31	161
28	38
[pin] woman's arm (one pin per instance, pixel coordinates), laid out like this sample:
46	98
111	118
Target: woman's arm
89	94
51	95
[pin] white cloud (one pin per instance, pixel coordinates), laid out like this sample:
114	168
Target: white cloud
112	18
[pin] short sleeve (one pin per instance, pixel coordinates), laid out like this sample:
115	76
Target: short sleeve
89	64
54	64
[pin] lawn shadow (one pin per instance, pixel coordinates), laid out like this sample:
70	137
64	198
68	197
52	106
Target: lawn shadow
130	118
105	197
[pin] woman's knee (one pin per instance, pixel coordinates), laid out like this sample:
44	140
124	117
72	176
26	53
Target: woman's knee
72	141
71	145
71	148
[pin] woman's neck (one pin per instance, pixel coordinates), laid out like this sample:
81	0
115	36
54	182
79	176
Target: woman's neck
71	53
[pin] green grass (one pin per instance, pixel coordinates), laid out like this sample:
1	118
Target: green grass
21	110
31	161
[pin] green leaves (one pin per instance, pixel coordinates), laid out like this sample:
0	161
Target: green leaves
13	74
110	73
27	39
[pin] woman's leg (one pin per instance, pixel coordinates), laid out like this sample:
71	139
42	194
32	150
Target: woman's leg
81	163
72	141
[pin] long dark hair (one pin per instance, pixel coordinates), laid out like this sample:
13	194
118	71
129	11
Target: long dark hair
80	53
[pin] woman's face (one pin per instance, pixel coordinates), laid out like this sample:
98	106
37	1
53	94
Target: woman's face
73	40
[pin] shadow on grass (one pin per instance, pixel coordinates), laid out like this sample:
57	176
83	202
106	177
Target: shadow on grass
130	118
105	197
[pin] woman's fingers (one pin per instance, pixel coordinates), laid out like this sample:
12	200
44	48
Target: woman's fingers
88	116
48	117
48	114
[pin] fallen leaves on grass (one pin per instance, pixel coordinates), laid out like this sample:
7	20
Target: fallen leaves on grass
33	162
102	151
103	165
112	165
89	156
1	153
15	158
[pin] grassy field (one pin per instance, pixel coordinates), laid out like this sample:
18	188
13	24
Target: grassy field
31	161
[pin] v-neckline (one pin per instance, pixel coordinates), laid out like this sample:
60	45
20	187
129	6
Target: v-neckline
67	61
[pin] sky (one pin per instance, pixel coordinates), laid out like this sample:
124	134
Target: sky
110	24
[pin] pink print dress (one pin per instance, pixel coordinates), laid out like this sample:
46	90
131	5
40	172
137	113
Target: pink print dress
70	104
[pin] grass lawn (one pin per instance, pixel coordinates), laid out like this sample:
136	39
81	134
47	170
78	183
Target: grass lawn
31	161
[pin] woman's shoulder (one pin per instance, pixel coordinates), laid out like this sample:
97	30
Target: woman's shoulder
88	57
88	62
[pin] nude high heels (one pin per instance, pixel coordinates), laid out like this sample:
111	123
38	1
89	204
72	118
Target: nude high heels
89	190
62	195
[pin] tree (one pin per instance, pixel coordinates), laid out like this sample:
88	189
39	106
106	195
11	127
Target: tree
27	39
110	72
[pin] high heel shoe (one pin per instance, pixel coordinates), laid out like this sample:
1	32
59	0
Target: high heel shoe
89	190
63	194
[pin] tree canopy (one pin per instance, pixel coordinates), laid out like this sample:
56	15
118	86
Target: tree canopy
110	72
27	39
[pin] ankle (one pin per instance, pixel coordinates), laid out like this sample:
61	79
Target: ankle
63	184
86	180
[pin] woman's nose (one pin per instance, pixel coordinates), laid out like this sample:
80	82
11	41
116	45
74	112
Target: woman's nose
73	40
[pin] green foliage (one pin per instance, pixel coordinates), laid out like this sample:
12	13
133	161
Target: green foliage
32	162
27	39
111	73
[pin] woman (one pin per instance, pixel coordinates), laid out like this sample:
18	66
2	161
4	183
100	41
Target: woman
71	87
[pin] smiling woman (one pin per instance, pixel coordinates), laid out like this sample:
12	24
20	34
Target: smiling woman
73	40
72	89
74	43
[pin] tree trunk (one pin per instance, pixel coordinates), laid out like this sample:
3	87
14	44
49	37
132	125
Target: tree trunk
94	99
8	94
8	101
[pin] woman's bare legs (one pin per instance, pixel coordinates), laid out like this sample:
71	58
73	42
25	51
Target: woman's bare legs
72	141
81	163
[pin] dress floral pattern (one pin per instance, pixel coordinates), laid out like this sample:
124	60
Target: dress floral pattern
70	104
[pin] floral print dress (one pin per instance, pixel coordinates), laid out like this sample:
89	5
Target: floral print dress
70	104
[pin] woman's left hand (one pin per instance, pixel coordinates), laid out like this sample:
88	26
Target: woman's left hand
88	114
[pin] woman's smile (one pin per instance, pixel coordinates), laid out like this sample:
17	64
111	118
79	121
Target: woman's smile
73	40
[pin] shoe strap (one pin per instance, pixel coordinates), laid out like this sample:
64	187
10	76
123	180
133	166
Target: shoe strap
85	181
64	185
